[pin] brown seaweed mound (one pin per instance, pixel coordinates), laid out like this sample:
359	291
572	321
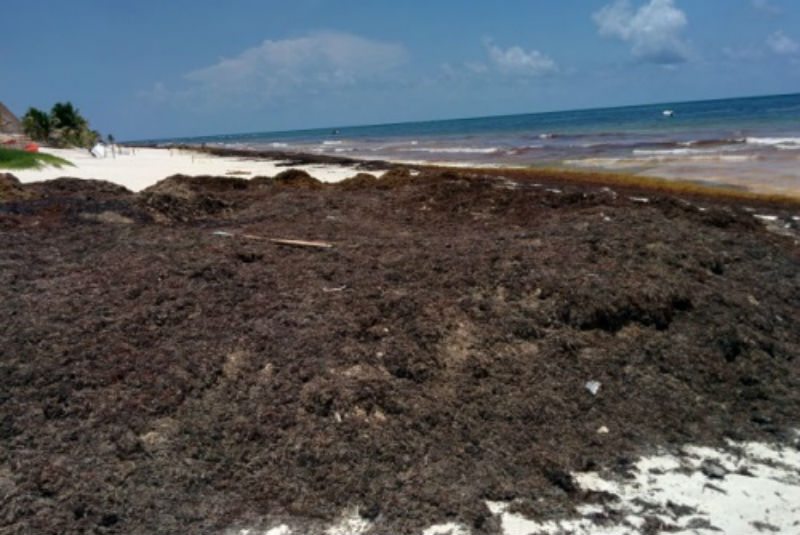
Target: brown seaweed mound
169	370
10	188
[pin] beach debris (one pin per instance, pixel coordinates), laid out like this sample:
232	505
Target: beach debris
301	243
277	241
508	184
609	191
334	289
593	387
713	469
602	430
639	199
765	217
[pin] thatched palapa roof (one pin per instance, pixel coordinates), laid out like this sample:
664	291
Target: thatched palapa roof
9	124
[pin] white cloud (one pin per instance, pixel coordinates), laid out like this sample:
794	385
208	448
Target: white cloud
311	64
653	30
765	6
780	43
512	61
743	53
515	60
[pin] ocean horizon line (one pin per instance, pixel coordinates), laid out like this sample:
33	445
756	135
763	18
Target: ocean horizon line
337	128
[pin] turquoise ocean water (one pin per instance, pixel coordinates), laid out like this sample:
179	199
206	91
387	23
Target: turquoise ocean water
739	140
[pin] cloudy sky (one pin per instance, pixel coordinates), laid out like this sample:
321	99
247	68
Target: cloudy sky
146	69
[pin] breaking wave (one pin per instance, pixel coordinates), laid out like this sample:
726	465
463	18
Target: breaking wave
458	150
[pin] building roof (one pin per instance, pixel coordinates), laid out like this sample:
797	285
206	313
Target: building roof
9	124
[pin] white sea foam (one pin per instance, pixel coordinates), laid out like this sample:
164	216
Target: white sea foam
330	142
673	152
729	141
278	145
458	150
645	155
521	149
774	141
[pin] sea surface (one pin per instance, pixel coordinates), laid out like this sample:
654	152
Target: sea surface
752	143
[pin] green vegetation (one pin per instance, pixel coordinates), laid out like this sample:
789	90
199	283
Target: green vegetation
37	125
20	159
62	127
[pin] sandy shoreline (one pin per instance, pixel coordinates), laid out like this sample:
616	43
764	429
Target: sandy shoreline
137	169
738	488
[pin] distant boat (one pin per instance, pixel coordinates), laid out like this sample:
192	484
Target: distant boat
668	113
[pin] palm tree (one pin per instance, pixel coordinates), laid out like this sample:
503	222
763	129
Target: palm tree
37	125
70	128
66	116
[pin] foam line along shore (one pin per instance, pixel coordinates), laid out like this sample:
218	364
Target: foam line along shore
751	143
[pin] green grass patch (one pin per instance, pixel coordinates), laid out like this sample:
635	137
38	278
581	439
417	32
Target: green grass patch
20	159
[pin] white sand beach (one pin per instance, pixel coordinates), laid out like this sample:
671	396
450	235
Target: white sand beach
746	487
137	169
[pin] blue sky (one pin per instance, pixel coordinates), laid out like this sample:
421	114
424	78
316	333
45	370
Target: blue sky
182	68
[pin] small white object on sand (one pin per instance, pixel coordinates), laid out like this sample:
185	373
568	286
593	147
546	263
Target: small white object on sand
765	217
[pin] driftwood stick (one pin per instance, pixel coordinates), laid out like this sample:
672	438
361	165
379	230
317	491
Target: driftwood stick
281	241
301	243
